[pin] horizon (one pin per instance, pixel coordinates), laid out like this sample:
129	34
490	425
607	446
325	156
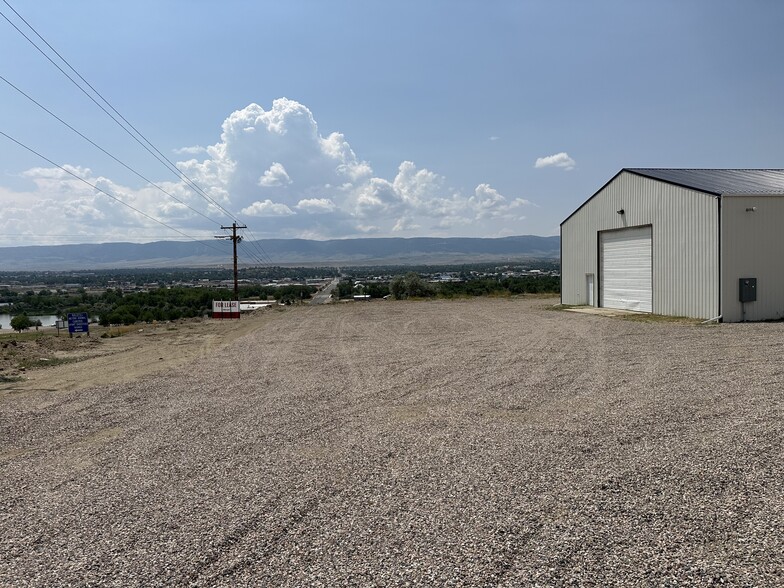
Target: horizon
361	251
202	241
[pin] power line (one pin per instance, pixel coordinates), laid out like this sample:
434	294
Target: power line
126	166
259	246
236	239
262	254
251	254
92	235
144	214
155	152
152	149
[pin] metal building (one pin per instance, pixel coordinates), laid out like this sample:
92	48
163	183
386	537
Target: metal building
703	243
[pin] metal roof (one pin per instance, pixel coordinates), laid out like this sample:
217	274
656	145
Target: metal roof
720	181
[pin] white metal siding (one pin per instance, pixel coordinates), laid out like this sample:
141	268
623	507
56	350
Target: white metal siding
625	277
685	229
752	246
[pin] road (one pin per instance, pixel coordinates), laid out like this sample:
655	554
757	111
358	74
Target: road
325	295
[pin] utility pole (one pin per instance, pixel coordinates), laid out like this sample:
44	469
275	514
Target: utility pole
235	239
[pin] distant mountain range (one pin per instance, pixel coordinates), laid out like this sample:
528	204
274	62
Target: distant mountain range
301	252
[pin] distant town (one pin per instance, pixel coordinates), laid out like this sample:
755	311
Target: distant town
148	295
144	280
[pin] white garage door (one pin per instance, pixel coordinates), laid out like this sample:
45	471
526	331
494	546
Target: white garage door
626	276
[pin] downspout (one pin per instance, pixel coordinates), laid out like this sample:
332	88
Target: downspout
718	208
560	244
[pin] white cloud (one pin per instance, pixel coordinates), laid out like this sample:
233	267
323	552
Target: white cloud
194	150
368	229
404	224
561	159
275	167
494	138
267	208
489	203
275	176
316	205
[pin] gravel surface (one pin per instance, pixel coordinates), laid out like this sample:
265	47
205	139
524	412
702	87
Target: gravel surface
487	442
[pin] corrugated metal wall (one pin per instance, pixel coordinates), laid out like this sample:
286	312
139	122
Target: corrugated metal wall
685	243
753	247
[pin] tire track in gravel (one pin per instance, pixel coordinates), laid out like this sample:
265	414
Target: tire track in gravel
225	562
211	568
345	362
465	443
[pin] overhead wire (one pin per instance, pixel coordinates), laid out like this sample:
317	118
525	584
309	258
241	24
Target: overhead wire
122	163
152	149
250	253
102	191
262	257
69	235
257	241
260	249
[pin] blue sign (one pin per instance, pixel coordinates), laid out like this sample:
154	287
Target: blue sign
78	322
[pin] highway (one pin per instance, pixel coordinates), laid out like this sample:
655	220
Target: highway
326	294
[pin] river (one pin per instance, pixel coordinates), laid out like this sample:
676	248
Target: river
47	320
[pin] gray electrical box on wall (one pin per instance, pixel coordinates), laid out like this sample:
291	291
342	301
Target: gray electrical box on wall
747	289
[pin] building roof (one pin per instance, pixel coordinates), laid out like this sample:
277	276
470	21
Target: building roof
720	181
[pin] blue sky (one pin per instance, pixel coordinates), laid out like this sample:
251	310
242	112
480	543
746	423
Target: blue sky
357	118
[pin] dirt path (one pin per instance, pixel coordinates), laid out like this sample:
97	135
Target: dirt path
145	350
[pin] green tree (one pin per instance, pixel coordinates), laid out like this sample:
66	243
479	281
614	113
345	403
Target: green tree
377	290
416	287
21	322
410	286
397	287
345	288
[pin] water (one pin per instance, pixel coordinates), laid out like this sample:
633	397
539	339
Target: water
47	320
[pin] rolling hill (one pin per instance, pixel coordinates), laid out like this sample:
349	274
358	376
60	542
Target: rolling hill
302	252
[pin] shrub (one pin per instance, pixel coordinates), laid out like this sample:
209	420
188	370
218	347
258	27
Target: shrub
21	322
410	286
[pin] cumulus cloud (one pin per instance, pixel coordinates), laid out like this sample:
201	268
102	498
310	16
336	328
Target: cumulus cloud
267	208
316	205
404	224
561	160
194	150
275	176
61	208
488	203
277	168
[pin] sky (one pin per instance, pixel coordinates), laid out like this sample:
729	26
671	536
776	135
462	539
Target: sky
361	118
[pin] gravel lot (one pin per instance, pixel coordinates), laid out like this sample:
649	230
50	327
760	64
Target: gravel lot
487	442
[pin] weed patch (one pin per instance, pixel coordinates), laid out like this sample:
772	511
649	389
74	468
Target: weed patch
660	318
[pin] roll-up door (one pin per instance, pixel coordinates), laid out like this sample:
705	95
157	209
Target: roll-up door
626	271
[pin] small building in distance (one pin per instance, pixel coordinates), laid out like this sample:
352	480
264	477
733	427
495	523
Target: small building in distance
702	243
